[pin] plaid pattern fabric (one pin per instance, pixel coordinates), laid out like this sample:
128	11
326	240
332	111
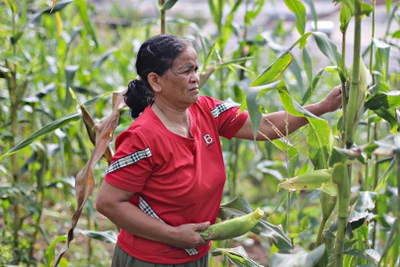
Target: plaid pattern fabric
130	159
145	207
221	108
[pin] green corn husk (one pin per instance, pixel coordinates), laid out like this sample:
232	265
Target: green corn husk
232	228
318	179
356	99
328	204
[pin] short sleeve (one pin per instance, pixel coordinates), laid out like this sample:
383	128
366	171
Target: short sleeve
226	115
131	164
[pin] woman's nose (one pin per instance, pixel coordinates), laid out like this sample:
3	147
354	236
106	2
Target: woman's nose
195	78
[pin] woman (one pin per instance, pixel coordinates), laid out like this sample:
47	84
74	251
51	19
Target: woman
166	178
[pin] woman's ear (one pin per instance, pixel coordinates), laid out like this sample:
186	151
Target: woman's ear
154	81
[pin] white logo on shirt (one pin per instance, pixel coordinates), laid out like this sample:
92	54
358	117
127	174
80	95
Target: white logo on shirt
208	139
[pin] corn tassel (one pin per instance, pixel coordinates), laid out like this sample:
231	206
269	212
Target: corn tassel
234	227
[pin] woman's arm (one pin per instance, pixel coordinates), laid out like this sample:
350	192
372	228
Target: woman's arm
113	203
274	124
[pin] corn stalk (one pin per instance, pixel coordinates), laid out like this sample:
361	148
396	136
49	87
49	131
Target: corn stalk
342	172
372	128
354	91
343	180
162	18
15	104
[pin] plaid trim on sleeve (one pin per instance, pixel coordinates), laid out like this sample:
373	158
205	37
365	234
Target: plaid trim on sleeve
130	159
145	207
221	108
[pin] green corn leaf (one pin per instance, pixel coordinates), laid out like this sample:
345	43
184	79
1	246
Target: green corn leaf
369	255
388	6
320	140
297	72
387	145
208	57
253	106
274	71
396	34
216	9
382	57
252	13
105	236
11	4
366	9
296	231
382	100
299	10
392	238
35	19
392	16
41	93
379	87
184	22
50	252
314	14
69	76
98	62
45	130
272	44
349	3
345	17
292	154
328	48
236	256
227	28
4	72
240	259
311	87
168	5
388	115
320	136
307	64
75	32
233	61
302	258
362	209
87	22
5	204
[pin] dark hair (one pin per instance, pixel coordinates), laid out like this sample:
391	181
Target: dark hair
155	55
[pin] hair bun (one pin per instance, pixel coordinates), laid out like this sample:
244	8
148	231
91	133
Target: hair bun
137	97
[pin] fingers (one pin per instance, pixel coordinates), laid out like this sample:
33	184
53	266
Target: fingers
202	226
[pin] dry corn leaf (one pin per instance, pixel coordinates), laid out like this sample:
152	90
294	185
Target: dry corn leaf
84	180
54	4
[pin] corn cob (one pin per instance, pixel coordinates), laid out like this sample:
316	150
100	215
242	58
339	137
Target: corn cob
357	94
328	204
234	227
318	179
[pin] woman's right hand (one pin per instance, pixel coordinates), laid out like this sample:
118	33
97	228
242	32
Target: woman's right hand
187	235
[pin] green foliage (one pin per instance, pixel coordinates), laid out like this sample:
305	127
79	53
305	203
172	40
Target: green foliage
48	49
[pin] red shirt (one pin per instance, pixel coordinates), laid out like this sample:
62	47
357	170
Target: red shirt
176	179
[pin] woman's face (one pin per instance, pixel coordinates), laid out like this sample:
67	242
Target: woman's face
180	84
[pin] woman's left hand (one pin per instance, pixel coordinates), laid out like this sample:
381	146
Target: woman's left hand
333	101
